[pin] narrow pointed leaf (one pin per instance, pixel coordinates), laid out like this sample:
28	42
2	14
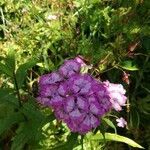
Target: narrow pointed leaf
110	123
117	138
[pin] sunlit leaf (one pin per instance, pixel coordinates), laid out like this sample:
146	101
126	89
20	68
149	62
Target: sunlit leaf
129	65
117	138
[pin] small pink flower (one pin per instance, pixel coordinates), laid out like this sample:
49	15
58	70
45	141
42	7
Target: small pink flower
80	60
116	93
121	122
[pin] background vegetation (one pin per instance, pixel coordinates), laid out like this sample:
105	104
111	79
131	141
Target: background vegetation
37	36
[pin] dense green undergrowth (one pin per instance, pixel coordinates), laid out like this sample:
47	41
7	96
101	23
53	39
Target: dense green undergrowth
37	36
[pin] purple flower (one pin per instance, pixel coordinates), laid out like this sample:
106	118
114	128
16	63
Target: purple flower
96	109
69	68
94	121
48	90
76	115
56	101
65	89
73	125
85	126
60	114
89	122
51	78
78	99
69	104
121	122
105	103
82	103
81	83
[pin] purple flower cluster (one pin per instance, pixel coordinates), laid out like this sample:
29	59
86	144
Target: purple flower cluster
78	99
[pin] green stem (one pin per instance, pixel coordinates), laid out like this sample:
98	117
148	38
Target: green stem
18	94
82	137
17	89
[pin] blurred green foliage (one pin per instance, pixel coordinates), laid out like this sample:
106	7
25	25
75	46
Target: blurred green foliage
35	38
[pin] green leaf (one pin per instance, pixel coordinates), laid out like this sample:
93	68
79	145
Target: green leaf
5	110
6	96
117	138
129	65
32	113
29	132
50	118
110	123
22	71
12	119
10	60
5	70
21	138
4	92
72	139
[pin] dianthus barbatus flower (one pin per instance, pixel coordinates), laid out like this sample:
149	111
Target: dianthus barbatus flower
70	67
116	93
48	85
78	99
51	78
81	84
